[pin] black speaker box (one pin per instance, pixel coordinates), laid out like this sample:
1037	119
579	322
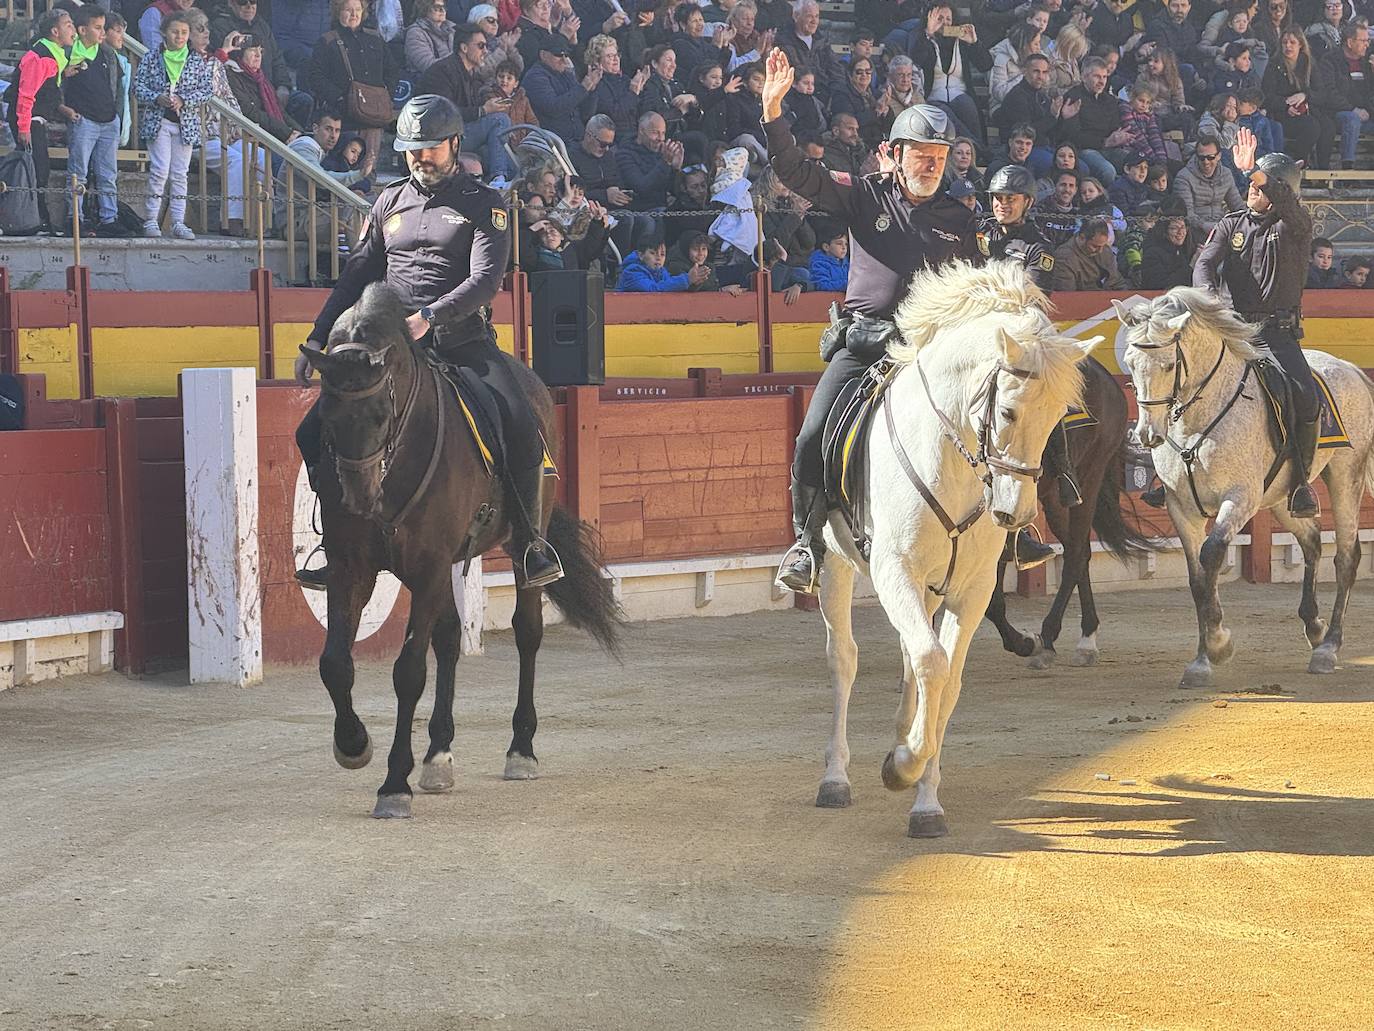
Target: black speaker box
569	340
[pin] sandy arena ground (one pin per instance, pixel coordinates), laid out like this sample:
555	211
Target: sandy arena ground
175	857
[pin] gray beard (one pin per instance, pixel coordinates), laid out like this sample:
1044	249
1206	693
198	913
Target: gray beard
428	179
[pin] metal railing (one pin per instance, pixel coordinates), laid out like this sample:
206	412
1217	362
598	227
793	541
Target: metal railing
23	9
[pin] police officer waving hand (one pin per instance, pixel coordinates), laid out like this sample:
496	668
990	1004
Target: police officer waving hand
1261	255
440	239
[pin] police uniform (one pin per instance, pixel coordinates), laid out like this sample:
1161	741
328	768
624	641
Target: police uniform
1262	258
890	239
1023	243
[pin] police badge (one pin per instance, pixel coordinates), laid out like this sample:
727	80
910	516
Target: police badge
408	125
1047	262
883	223
498	219
1237	241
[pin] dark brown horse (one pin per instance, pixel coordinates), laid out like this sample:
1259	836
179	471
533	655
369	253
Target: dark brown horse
403	487
1098	452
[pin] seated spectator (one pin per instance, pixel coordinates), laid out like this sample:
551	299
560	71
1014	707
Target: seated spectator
1058	213
1220	121
785	218
743	114
505	87
1068	54
1159	71
1167	257
537	30
1130	254
1093	202
1008	60
1206	187
1091	120
1342	98
256	96
693	250
643	272
662	94
554	90
648	163
323	138
1236	71
429	37
1325	33
691	44
1030	102
1173	29
1114	22
1273	19
803	109
806	43
614	94
962	190
1086	262
856	98
1138	122
548	256
1227	26
1355	272
1268	134
961	165
502	47
748	44
691	204
1021	150
1321	271
242	16
904	87
1129	191
298	25
946	64
1157	181
455	77
1287	82
150	21
350	155
844	150
1065	160
830	262
314	149
93	89
346	55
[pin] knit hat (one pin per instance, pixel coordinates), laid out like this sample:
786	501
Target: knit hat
481	11
736	167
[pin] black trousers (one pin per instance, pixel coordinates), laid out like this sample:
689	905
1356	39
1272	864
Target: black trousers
524	447
1281	344
38	136
807	464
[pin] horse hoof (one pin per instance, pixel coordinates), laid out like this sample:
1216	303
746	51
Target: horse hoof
392	807
899	773
1197	675
521	767
1323	661
1084	657
353	762
1030	644
436	776
1316	632
834	794
927	825
1042	660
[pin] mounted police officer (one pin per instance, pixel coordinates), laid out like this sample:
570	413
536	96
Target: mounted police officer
1010	233
441	240
899	223
1261	255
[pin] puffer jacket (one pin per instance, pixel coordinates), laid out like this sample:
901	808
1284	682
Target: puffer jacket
1206	199
195	87
427	43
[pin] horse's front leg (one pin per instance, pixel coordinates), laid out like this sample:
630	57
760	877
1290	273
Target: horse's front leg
436	774
842	656
408	679
347	591
1206	554
1013	640
528	624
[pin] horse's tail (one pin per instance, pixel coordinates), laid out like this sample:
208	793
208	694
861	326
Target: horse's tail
1369	459
584	595
1112	530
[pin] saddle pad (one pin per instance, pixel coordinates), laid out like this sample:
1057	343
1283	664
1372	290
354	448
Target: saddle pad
843	442
1077	418
1330	429
480	413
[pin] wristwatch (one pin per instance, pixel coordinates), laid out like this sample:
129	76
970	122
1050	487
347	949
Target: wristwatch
427	313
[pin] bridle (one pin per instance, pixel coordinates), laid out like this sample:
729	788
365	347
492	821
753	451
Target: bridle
1177	410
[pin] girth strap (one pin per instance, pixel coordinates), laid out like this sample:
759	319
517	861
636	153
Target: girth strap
955	530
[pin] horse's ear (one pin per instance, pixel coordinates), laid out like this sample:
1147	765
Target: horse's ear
1011	350
1086	347
318	359
1126	315
1179	321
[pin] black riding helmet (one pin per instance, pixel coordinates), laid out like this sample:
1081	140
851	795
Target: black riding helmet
426	121
1012	179
1280	166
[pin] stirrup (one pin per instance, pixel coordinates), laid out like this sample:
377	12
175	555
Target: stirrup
1302	509
1069	494
313	579
1023	565
1154	497
786	579
552	574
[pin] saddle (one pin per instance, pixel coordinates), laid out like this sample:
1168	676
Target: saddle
844	446
1278	393
479	409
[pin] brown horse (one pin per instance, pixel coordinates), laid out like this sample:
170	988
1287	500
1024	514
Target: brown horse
1098	452
404	487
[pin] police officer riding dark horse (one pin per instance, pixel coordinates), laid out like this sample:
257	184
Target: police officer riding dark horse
440	239
899	223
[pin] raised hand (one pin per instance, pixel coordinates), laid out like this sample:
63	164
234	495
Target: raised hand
1243	153
734	85
778	76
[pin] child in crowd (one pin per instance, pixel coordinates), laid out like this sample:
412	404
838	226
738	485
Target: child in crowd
114	39
549	256
1128	190
644	271
1139	121
693	250
830	261
348	156
1157	182
804	109
1268	132
1322	273
1356	273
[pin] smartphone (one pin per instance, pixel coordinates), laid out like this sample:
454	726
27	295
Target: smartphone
952	31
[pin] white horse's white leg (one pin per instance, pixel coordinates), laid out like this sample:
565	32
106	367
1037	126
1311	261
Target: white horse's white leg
1205	554
842	654
1344	488
909	606
961	618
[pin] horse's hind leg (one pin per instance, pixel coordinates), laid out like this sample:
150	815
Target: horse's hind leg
1309	537
346	597
1086	652
528	623
1205	554
427	601
1344	490
436	775
837	600
1013	640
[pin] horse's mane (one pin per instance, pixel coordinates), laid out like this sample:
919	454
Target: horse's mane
959	292
1208	314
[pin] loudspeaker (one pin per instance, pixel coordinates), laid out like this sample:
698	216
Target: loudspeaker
569	341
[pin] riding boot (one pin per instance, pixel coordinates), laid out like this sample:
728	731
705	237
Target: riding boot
1302	447
1154	497
801	566
1027	552
536	562
313	579
1060	462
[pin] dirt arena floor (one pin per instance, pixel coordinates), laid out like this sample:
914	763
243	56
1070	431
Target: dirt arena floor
187	858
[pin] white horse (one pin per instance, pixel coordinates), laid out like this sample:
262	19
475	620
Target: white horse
1186	356
984	378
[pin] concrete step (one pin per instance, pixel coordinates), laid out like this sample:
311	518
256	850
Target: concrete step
214	263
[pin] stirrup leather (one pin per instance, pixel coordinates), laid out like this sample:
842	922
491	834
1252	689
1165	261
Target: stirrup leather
539	546
797	552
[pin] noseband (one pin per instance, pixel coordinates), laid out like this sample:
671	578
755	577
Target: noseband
396	423
1176	410
987	455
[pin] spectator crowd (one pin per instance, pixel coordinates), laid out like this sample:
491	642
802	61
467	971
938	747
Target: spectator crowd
627	131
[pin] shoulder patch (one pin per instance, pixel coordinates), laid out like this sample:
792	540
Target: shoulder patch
499	221
1237	241
843	178
984	248
1047	262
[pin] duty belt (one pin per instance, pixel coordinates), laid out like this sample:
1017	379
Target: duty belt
1284	318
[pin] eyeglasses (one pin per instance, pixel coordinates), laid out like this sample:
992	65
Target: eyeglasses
480	44
1208	157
